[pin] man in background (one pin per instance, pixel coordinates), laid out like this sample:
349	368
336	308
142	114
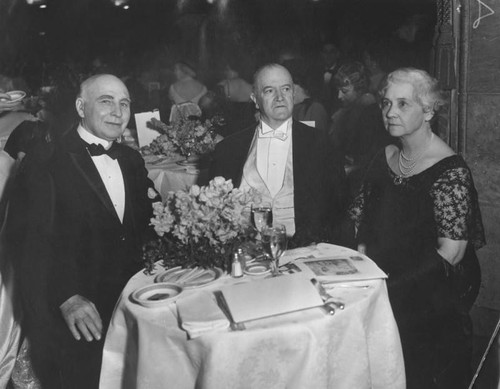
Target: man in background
330	57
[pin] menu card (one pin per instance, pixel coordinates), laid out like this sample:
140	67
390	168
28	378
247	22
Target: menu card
146	135
270	296
340	268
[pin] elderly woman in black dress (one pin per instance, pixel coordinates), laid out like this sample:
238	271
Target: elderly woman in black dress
417	217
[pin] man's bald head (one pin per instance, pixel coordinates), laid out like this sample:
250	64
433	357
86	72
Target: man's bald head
103	105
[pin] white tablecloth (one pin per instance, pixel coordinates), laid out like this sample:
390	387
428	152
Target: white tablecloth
358	347
168	175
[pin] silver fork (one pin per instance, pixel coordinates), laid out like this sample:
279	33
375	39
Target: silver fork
327	299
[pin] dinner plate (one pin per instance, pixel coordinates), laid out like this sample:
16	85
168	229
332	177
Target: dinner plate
190	278
15	96
257	269
156	294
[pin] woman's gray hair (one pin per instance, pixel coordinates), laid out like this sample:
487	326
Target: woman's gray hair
426	90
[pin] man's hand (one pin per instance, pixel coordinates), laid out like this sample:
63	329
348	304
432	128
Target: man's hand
82	317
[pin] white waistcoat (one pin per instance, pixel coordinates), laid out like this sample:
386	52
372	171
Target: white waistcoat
282	203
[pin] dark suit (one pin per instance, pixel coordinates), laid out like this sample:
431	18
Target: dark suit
329	91
72	242
319	179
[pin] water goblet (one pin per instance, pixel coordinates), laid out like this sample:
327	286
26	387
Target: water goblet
262	215
274	242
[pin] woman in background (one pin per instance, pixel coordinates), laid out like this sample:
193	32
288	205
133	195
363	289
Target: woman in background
233	96
418	218
187	88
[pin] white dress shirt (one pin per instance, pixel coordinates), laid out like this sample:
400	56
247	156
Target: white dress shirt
272	154
109	170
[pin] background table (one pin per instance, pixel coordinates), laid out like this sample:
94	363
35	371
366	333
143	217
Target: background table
358	347
168	175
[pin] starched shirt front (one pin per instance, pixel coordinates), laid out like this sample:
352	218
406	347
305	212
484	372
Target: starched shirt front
109	170
272	154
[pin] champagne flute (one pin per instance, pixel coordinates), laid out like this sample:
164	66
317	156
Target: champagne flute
274	242
262	215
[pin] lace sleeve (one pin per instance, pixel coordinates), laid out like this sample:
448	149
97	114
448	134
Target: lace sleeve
356	208
455	206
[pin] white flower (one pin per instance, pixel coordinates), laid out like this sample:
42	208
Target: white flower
152	193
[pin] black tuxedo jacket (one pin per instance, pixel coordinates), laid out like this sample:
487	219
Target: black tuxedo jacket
70	237
320	190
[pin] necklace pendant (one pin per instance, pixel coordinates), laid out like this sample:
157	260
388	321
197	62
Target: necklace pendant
398	180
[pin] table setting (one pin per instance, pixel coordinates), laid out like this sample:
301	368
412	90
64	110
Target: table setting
310	317
178	156
269	327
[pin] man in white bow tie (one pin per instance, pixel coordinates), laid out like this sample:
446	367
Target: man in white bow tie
87	208
292	165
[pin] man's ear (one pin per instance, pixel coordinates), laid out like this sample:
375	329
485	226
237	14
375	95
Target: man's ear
79	107
252	96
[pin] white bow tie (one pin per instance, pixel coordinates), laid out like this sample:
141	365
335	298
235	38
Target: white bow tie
274	134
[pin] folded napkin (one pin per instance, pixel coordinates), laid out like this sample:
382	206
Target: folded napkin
200	314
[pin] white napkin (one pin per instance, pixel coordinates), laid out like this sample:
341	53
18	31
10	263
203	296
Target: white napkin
199	314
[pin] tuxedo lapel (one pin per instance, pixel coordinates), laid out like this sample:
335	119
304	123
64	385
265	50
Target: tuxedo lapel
84	165
302	154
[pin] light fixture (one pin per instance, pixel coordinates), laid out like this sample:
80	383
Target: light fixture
126	6
121	3
43	6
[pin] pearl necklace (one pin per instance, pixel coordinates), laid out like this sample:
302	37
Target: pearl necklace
407	165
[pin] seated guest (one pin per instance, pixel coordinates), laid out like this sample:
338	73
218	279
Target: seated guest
306	107
331	62
25	137
289	163
233	86
76	223
236	106
186	87
13	113
418	218
357	129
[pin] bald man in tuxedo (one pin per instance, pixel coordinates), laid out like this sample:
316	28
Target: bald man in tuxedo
87	205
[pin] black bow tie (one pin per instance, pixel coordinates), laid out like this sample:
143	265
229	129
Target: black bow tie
96	150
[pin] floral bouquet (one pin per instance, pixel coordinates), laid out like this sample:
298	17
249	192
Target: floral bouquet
187	137
202	226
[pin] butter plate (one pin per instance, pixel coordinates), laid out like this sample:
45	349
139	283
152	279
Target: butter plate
257	269
155	295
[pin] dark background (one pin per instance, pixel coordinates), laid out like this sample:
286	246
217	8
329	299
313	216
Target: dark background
152	34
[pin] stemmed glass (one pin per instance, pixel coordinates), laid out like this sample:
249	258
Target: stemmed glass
262	215
274	242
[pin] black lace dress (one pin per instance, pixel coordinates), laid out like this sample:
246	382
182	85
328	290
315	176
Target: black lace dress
400	221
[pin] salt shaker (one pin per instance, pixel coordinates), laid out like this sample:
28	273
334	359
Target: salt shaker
236	268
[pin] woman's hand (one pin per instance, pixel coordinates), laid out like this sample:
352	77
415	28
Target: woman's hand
451	250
